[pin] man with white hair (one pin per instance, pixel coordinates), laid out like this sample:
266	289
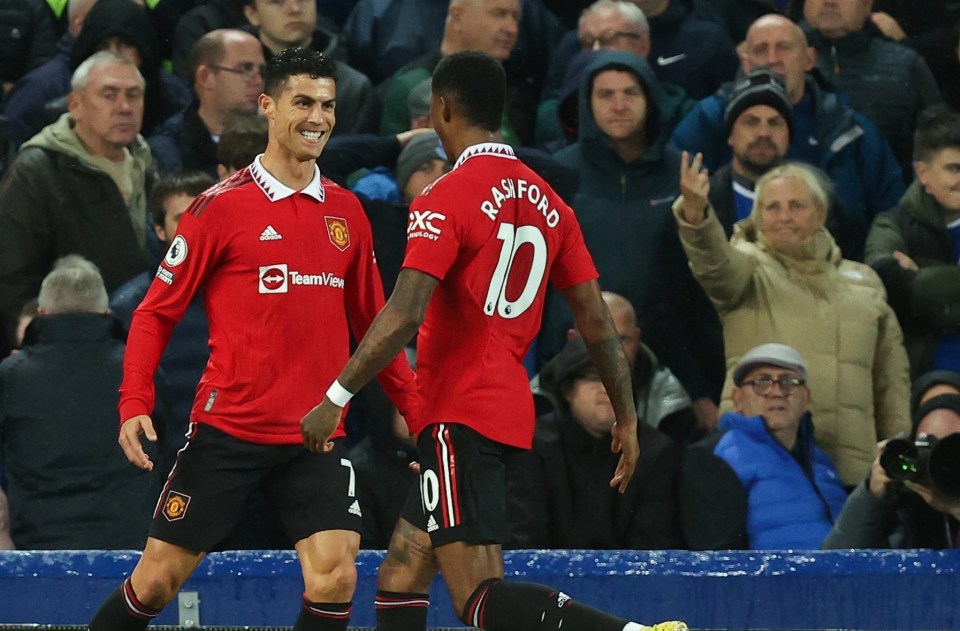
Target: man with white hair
79	186
69	487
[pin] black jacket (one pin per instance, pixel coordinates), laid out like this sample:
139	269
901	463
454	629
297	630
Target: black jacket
559	495
887	82
70	486
28	37
184	142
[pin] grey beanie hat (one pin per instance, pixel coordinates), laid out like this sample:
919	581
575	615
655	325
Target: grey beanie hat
421	149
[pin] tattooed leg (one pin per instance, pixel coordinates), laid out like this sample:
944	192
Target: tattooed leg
403	583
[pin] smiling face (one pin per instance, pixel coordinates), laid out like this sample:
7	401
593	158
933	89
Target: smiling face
301	118
788	213
940	177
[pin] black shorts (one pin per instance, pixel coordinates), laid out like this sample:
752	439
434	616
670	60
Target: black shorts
462	490
215	473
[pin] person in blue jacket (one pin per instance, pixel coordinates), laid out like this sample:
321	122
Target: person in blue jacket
827	133
758	482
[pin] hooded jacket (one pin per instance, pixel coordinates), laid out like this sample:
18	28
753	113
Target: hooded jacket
165	94
28	37
926	301
39	98
865	174
833	311
620	205
54	201
741	489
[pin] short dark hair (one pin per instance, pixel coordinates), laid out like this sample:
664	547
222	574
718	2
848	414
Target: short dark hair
190	183
244	137
294	61
477	82
938	128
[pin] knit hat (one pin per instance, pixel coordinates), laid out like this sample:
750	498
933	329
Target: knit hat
418	101
772	354
572	363
761	86
422	149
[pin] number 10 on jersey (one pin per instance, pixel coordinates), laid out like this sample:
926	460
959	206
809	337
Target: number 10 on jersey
512	237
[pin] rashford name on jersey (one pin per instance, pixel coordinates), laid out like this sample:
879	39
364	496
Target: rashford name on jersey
520	189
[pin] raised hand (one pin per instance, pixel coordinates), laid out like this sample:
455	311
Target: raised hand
695	187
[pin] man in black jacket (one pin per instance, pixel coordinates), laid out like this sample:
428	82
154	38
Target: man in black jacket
69	485
887	82
226	66
559	494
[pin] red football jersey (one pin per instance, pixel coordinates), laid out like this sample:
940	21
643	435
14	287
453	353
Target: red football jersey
282	273
493	232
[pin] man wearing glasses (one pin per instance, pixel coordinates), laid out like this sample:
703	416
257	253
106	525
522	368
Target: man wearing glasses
758	482
226	65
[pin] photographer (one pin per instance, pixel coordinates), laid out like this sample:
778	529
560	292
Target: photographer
886	513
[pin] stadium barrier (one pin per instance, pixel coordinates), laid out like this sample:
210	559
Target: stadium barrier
863	590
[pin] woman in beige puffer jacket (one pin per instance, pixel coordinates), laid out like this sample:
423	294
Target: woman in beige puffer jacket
781	278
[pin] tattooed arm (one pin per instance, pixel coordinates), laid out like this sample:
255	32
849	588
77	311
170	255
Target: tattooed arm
603	343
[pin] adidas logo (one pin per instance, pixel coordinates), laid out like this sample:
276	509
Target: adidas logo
432	524
355	507
270	234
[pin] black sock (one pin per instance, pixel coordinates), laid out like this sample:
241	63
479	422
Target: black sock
322	616
399	611
123	611
500	606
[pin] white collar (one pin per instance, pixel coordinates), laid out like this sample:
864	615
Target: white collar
497	149
276	190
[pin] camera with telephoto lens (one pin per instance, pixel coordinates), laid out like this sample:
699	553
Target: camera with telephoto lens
926	460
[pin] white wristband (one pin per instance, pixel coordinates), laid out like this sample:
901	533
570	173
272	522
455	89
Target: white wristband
339	395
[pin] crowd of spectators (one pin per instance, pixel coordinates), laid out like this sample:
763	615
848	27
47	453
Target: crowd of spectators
770	190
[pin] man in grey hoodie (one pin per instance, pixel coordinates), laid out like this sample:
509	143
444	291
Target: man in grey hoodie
79	186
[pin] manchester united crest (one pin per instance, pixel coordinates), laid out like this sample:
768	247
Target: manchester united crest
175	507
338	232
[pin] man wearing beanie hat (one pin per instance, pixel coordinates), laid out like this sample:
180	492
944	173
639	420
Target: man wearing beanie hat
882	513
420	163
759	482
559	494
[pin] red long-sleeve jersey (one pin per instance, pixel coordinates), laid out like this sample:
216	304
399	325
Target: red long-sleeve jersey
283	273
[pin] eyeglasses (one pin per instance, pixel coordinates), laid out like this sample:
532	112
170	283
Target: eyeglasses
248	70
606	39
763	385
